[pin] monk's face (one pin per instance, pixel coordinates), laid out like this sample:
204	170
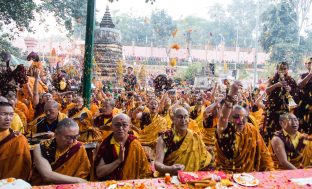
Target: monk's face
51	112
79	102
121	127
282	70
46	97
153	106
69	98
239	117
107	108
291	124
6	117
66	137
181	119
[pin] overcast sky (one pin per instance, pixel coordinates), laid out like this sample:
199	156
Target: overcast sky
175	8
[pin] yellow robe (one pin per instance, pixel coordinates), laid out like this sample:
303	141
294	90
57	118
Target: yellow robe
77	166
192	153
17	124
199	119
209	134
250	155
304	159
149	135
87	132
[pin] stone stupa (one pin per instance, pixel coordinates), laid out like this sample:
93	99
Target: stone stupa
107	49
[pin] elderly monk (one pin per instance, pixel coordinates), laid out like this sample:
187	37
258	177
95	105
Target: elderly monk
120	156
61	159
15	160
291	149
151	124
240	147
180	148
46	123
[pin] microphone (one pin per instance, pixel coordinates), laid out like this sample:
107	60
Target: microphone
38	122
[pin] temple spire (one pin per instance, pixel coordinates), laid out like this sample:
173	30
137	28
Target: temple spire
107	21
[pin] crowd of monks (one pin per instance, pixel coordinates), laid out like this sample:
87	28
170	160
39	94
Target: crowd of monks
146	133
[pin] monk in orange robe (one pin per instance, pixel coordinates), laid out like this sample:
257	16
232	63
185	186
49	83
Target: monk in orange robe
15	159
180	148
239	146
290	148
120	156
62	159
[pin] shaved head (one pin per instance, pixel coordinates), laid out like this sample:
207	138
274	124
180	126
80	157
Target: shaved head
121	116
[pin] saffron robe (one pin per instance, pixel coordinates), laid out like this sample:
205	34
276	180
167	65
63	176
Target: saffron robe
73	162
245	153
15	159
300	156
135	165
190	151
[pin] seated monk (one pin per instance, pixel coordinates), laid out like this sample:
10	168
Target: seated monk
290	148
192	125
180	148
19	107
210	122
15	160
197	111
67	103
83	118
16	123
239	146
46	123
120	156
104	120
151	124
62	159
11	96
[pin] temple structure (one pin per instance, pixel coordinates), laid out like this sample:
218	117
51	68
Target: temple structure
107	49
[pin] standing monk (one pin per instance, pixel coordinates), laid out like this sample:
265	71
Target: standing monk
15	160
304	110
280	86
62	159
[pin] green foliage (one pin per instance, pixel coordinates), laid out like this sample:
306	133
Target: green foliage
17	14
280	34
191	71
163	25
6	46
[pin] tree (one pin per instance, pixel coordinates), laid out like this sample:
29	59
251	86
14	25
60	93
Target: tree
279	34
133	29
242	14
163	26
